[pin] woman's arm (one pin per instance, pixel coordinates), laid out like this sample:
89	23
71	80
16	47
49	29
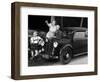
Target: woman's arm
47	22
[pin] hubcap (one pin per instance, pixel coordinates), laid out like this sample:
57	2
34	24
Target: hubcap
67	55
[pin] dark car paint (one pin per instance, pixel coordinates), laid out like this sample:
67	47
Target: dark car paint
68	37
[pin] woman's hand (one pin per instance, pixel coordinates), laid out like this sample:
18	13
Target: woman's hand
46	22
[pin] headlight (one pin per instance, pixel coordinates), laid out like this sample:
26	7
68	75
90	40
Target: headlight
55	44
41	43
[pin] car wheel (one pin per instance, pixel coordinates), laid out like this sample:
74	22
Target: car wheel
66	55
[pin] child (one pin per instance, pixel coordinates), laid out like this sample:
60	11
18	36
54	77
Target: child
36	43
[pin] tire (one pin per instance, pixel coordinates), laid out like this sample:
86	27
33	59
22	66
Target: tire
66	55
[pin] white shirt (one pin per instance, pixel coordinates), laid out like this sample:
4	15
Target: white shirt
52	30
35	39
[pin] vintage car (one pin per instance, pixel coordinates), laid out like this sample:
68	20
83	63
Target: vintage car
68	43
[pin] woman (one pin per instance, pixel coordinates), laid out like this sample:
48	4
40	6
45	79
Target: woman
52	29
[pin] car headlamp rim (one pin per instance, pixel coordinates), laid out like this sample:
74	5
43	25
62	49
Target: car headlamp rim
55	44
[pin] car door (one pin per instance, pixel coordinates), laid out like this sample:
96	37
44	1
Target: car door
79	42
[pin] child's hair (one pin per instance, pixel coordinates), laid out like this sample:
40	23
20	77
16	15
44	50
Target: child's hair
35	32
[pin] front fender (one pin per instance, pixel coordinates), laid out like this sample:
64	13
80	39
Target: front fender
67	45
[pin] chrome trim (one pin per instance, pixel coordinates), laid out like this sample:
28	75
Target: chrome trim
80	54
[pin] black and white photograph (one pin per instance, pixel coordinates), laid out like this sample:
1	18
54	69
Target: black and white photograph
50	40
57	40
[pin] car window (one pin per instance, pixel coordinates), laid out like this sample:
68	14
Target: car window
79	35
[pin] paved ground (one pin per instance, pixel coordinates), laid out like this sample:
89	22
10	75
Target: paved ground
75	61
79	60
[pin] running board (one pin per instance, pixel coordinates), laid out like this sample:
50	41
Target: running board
80	54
